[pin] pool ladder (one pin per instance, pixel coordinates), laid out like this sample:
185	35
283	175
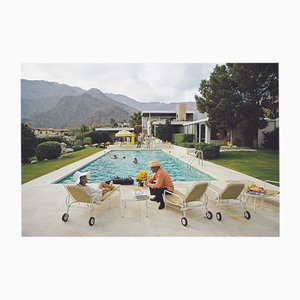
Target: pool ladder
197	153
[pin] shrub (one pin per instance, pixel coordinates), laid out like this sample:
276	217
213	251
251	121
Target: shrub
210	151
58	138
180	138
188	145
48	150
96	136
271	139
77	145
87	140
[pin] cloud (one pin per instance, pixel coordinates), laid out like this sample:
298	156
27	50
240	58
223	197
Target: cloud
164	82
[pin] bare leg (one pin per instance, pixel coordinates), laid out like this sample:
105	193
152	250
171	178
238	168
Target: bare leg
105	187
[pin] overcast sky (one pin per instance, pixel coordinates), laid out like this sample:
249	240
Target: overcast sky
167	82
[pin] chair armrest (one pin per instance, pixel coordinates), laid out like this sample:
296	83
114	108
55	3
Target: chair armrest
217	195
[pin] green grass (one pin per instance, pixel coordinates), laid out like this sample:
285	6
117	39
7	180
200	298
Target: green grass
32	171
261	164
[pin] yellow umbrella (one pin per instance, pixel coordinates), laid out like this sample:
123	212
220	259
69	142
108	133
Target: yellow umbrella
125	133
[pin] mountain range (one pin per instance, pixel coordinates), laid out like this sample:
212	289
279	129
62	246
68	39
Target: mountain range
54	105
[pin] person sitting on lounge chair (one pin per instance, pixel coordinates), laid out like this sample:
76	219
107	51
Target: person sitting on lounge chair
82	178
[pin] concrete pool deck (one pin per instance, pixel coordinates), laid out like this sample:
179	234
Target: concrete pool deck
43	204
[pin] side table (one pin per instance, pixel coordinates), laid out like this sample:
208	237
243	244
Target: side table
128	195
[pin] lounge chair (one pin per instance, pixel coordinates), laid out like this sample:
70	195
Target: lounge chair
234	190
195	197
76	194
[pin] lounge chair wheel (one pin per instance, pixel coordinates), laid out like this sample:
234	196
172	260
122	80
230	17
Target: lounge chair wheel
247	214
209	215
65	217
218	216
184	221
91	221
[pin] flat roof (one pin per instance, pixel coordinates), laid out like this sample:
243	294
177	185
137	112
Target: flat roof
164	112
113	129
172	122
195	122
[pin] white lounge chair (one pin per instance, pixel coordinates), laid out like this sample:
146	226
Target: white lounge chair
232	191
195	197
76	194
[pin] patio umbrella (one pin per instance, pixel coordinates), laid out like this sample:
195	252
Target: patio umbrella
125	133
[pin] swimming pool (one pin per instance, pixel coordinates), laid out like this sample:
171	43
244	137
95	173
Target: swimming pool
104	168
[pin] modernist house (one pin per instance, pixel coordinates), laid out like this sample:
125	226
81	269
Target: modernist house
193	122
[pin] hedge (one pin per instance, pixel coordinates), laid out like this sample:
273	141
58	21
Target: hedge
48	150
180	138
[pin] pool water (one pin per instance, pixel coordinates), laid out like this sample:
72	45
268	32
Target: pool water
104	168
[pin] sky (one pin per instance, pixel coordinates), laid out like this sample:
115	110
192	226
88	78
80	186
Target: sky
144	82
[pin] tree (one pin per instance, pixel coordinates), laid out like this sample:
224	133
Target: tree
28	143
165	131
84	128
240	95
218	99
113	123
135	119
257	85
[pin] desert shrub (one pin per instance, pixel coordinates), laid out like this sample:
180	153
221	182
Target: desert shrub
77	145
48	150
87	140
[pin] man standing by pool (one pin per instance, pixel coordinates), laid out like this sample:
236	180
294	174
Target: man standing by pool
162	182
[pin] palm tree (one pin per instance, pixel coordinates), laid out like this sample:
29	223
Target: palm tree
135	119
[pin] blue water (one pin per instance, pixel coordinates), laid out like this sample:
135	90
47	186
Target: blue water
104	168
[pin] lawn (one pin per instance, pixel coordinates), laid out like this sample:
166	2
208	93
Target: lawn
32	171
261	164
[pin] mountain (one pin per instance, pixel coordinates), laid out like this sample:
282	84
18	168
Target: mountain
91	108
39	96
140	106
50	104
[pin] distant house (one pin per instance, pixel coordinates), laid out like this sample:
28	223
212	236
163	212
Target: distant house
40	132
